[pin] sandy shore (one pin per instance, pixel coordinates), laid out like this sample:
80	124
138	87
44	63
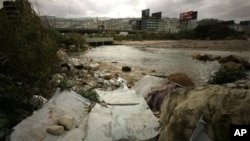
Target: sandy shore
223	45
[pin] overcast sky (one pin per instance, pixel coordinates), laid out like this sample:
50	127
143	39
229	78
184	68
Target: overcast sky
220	9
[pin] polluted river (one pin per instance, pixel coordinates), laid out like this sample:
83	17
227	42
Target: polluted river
161	60
137	113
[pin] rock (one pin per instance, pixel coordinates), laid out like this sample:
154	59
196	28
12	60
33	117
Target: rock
57	79
37	101
94	66
109	89
161	74
107	76
55	129
114	83
242	86
126	69
79	67
65	67
206	57
69	83
219	106
66	121
181	78
248	84
217	57
106	82
235	59
231	85
61	56
75	61
232	66
196	55
100	81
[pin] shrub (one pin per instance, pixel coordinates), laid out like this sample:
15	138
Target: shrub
226	76
26	56
72	39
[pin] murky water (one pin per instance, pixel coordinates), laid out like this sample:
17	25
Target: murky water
160	59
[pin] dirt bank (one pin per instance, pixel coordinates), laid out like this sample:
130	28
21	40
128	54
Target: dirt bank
222	45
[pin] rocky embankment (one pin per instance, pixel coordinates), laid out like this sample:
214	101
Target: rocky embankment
218	105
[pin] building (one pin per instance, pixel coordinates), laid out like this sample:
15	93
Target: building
135	24
121	23
13	8
171	25
152	24
244	27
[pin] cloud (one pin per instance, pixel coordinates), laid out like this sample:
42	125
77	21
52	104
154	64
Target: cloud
224	10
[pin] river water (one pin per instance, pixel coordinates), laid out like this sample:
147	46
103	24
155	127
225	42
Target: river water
160	59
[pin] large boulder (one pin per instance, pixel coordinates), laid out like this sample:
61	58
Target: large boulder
205	57
181	78
232	66
236	59
219	105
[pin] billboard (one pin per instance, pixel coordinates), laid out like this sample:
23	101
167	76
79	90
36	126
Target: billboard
145	13
188	15
156	15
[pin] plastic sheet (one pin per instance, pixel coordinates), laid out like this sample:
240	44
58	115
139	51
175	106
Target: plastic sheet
33	127
127	116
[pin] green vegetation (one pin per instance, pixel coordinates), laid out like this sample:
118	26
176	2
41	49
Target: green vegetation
226	76
72	39
26	58
214	32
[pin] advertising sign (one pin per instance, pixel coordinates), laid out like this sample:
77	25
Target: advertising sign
188	15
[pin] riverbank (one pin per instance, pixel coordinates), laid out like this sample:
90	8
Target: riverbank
218	45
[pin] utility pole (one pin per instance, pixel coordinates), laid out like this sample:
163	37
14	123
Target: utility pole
70	18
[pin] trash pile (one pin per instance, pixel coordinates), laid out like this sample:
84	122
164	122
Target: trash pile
121	114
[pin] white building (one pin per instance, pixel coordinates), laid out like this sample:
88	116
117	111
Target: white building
171	25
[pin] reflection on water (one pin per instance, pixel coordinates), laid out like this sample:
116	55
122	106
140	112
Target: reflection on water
162	60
